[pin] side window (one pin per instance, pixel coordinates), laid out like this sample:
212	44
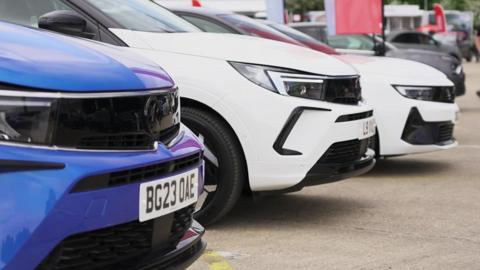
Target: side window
27	12
206	25
366	43
428	40
309	31
339	42
351	42
407	38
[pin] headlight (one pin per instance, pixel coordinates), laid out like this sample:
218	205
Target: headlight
294	83
26	120
427	93
459	69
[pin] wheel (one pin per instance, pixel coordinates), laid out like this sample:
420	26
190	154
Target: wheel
225	168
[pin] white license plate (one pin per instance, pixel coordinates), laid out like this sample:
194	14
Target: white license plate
167	195
367	128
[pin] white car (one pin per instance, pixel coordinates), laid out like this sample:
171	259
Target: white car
273	116
414	104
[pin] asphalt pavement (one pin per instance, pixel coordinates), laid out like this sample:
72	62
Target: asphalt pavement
412	212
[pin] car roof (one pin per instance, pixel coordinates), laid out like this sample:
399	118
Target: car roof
201	10
307	24
400	32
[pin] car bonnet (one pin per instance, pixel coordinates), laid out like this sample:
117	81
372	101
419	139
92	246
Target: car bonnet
397	71
238	48
39	59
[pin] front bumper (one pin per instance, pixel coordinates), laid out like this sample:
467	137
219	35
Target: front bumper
39	207
393	116
190	248
289	150
324	173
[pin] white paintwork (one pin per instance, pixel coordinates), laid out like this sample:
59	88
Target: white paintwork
378	74
198	63
239	48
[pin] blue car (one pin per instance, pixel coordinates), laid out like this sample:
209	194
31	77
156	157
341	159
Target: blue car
96	171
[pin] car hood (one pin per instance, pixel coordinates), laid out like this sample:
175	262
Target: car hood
238	48
39	59
396	70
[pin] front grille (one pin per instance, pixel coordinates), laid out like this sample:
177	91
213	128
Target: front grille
116	247
346	151
343	91
445	132
139	174
122	141
133	120
126	141
117	123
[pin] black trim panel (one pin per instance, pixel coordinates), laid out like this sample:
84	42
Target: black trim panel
354	117
177	260
287	129
138	174
324	173
21	165
419	132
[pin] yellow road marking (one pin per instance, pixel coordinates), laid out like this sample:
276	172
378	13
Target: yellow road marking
216	261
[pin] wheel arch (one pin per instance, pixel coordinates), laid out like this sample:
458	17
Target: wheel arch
187	102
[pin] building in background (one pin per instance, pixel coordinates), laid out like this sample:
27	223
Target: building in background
403	17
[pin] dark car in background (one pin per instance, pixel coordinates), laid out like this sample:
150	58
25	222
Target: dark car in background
421	41
368	45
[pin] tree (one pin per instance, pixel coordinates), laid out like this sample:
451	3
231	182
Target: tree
302	6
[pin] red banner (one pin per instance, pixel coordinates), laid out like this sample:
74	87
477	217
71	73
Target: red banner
354	16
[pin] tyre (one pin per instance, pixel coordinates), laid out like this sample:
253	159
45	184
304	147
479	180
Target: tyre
225	168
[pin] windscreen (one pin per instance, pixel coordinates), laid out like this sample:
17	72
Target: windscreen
142	15
254	28
304	38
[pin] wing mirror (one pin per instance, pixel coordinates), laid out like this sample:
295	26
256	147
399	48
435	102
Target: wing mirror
380	49
66	22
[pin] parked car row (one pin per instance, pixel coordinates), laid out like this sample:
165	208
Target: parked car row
107	158
391	86
443	58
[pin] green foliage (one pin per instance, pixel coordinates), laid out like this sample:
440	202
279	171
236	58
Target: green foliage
302	6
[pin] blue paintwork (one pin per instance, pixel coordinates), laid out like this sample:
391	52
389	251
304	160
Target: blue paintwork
41	59
36	209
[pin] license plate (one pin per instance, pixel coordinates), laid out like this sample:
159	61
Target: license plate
367	128
167	195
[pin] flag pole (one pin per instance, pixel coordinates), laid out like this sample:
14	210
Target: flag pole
384	37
